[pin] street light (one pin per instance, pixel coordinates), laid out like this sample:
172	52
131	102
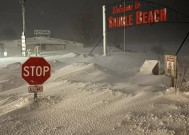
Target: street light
23	40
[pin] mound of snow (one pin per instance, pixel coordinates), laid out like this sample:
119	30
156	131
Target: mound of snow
86	72
11	103
10	76
55	64
86	55
14	65
70	55
77	99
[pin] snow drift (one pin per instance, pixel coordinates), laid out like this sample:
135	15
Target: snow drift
94	96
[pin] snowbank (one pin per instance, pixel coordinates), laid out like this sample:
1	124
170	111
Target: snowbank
85	72
94	96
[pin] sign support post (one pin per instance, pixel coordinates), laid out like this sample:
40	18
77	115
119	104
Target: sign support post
124	41
35	93
172	82
104	30
35	96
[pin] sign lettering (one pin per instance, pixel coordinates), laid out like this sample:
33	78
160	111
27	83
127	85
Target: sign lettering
132	14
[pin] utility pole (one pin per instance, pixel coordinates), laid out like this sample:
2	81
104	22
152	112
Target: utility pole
104	30
124	41
23	39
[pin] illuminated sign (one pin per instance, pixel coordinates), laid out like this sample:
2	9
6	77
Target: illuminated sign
134	14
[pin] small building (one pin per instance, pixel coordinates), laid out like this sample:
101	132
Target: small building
13	48
45	44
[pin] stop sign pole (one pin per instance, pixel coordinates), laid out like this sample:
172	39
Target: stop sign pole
35	71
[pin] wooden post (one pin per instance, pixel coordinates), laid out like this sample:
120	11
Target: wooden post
172	82
35	96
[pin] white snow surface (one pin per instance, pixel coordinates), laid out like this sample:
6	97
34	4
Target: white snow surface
148	66
92	95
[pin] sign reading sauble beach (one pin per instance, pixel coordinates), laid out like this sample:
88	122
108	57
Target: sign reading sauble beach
134	15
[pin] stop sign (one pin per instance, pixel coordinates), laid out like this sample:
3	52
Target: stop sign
36	70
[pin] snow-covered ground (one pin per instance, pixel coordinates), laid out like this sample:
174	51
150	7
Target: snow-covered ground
92	95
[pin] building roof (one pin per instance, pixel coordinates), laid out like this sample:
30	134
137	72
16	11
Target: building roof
44	40
41	40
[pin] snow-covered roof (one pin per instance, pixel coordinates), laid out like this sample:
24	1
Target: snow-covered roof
44	40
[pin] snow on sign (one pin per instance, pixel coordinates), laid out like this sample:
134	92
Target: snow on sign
36	70
170	65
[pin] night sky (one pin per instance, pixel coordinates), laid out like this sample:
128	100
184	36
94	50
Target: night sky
63	17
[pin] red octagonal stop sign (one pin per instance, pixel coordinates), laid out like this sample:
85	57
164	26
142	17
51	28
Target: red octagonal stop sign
36	70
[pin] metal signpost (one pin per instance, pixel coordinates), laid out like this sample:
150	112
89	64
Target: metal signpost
104	31
23	38
35	71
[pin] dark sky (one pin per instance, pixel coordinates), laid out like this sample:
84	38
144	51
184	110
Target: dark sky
62	17
59	16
